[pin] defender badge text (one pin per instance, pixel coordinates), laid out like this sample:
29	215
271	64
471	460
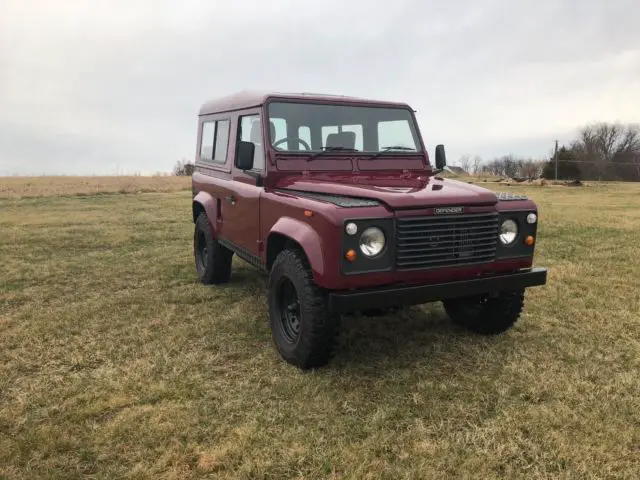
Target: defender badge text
449	210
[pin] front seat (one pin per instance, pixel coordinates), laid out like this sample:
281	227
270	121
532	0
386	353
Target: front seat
255	137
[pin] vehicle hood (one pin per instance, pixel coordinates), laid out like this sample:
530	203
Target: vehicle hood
399	191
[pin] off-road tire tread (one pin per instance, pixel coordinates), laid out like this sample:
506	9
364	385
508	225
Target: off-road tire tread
317	347
218	269
496	316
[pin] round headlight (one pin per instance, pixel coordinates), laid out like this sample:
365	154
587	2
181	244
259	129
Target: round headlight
372	241
531	218
508	232
351	228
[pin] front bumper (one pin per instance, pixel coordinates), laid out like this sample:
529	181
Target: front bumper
383	297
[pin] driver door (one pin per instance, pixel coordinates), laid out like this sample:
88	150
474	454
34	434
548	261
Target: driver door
241	207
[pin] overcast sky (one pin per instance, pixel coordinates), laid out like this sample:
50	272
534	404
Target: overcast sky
106	87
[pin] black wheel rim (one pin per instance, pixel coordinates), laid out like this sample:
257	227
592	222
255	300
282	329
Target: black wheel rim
288	310
201	250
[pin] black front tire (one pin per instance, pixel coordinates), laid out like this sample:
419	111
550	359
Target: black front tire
213	261
303	331
485	314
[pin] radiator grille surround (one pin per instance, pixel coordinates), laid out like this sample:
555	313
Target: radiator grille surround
446	240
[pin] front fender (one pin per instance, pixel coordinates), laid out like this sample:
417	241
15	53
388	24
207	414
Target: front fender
206	202
308	239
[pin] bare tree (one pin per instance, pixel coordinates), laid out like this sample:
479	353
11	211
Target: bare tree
183	168
601	145
465	162
494	167
531	169
477	164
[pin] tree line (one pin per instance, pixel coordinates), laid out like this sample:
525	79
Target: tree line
601	151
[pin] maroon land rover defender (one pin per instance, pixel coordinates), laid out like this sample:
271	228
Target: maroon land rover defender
336	199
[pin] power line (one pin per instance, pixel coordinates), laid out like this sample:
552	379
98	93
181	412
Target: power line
595	162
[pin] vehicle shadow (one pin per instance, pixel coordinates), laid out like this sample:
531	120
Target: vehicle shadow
415	337
418	338
415	365
404	335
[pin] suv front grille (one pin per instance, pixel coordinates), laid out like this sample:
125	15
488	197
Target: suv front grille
443	241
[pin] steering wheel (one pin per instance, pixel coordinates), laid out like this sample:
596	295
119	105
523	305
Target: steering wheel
297	139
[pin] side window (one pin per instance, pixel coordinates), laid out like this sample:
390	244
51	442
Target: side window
395	133
208	138
215	140
251	131
222	141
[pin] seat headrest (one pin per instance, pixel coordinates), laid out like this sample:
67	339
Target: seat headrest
255	135
344	140
272	131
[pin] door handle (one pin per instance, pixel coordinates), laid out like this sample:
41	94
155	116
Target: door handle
231	199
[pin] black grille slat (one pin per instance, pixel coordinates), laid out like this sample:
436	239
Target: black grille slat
445	228
419	241
453	217
448	219
429	242
445	263
479	252
481	223
488	232
449	246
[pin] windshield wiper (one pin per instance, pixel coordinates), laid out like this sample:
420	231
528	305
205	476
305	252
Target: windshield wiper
331	149
392	147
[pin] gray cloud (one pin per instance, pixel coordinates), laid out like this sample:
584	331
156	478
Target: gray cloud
93	86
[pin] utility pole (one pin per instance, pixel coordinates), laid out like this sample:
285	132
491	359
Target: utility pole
556	159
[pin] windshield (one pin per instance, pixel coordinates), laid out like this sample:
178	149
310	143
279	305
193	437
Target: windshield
304	127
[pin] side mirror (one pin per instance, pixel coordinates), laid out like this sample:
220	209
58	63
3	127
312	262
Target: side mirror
244	155
441	157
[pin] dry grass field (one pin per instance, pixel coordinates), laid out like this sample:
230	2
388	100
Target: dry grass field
23	187
115	363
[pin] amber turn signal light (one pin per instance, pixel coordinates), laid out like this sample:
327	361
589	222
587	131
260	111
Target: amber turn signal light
308	213
529	240
350	255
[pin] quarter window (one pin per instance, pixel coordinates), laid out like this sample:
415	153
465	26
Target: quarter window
208	139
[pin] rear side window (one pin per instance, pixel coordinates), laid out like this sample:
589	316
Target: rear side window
215	140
